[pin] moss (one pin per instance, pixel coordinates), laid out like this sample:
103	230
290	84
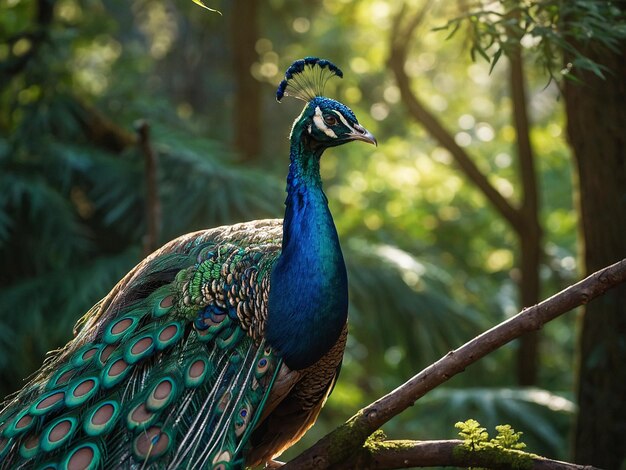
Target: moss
496	457
346	438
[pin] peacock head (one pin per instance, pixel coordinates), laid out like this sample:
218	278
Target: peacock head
324	122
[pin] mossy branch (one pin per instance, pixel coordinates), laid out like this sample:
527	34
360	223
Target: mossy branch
392	454
347	440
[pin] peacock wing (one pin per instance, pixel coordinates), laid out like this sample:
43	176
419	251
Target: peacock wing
169	371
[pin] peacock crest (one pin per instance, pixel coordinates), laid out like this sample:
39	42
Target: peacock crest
306	78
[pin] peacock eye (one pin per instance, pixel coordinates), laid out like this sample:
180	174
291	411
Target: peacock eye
330	120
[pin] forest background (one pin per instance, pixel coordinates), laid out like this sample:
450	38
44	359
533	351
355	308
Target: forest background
126	123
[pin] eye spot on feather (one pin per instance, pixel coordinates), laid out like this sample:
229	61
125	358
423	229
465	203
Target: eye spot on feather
261	366
119	329
106	353
223	403
83	356
139	348
167	301
65	377
83	457
19	424
139	416
121	326
197	369
29	448
84	388
168	333
48	402
57	433
163	390
23	422
81	390
114	373
151	443
101	418
118	367
103	414
89	353
221	459
60	430
162	394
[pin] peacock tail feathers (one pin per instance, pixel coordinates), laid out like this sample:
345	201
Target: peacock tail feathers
173	362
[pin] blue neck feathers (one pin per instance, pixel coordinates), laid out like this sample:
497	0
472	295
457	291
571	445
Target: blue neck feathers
308	300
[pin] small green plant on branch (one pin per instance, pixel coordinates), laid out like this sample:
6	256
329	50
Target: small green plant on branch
504	449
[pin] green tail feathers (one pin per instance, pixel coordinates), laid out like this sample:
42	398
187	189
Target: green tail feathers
174	372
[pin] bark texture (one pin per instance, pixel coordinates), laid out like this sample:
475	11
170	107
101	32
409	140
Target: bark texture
596	125
245	33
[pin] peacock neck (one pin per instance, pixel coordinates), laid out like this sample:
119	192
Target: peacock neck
308	298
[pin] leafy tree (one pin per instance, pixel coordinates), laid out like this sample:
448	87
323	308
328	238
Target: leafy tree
582	44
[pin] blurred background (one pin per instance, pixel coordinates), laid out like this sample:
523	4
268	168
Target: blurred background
436	253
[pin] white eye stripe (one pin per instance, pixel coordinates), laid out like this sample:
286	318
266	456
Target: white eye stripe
343	120
318	120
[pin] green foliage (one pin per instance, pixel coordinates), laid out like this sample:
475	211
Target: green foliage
474	436
553	28
507	438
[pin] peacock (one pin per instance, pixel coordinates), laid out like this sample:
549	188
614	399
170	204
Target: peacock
216	351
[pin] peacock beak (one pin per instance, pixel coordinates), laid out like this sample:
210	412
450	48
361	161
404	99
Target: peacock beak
361	133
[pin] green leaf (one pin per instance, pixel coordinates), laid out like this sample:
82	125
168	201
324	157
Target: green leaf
495	59
203	5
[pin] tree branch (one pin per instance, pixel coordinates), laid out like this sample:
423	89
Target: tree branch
153	203
388	454
343	442
102	131
397	59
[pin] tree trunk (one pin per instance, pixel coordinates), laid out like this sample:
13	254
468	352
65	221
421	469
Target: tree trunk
529	232
244	31
596	125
